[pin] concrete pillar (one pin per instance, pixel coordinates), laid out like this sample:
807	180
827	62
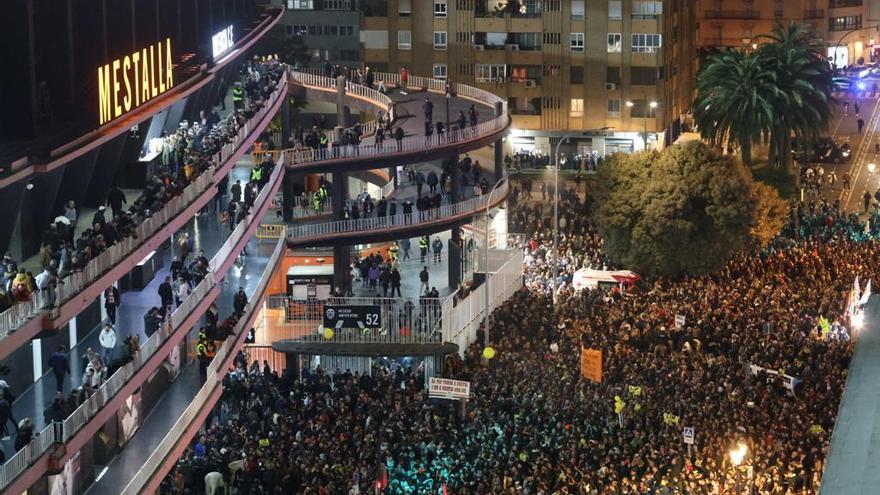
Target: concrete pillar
287	195
338	194
499	151
454	250
340	101
341	260
455	177
293	366
392	174
285	123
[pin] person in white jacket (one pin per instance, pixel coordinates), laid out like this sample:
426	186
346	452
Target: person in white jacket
107	338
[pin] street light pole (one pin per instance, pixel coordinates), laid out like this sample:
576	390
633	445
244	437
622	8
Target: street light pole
486	267
556	215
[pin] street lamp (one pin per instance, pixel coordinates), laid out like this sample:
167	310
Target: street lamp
486	268
653	106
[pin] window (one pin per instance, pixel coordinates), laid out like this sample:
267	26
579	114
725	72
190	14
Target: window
490	72
300	4
404	7
614	107
577	107
297	30
577	42
643	76
404	40
577	9
646	10
439	8
439	71
337	4
374	40
314	30
614	10
614	42
641	109
645	43
845	23
552	38
346	30
577	75
844	3
439	40
612	75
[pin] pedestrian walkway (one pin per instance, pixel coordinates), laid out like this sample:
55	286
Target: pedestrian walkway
208	234
851	468
182	391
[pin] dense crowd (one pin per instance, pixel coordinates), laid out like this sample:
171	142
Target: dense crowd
751	362
187	153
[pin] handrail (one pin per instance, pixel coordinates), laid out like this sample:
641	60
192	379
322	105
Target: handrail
74	283
386	222
86	411
407	144
214	378
54	433
242	227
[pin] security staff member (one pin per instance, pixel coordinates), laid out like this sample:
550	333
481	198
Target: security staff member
392	251
256	174
202	356
237	96
423	247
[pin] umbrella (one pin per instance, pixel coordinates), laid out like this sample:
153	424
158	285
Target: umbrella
62	219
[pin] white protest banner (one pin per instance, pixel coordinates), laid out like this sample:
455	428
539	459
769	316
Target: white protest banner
444	388
688	434
679	322
788	381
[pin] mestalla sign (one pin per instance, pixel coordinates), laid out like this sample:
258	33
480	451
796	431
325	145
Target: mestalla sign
129	82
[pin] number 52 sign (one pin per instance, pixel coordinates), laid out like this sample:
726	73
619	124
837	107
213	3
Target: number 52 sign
352	317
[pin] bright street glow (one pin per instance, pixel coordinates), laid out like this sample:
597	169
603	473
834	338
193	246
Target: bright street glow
653	104
858	320
738	454
629	103
872	167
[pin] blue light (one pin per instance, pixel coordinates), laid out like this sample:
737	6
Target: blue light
861	85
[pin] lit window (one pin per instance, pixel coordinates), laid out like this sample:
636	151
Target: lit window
577	9
646	43
439	40
646	9
490	72
577	107
404	7
614	42
404	40
439	71
614	108
439	8
614	10
577	42
300	4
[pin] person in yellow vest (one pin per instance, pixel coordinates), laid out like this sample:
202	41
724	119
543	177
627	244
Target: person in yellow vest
202	356
316	201
423	247
392	251
237	96
256	174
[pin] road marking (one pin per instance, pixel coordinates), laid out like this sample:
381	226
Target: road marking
860	156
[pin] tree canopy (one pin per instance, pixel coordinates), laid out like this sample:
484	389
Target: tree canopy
750	96
685	210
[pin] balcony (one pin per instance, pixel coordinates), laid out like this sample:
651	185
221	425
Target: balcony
51	309
80	426
731	14
814	14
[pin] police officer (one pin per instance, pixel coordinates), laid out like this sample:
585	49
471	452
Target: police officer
256	174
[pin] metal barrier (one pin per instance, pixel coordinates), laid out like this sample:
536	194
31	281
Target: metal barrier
407	320
415	219
270	231
411	143
74	283
214	379
108	390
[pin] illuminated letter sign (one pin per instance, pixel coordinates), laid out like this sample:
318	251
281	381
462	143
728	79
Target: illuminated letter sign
127	83
222	42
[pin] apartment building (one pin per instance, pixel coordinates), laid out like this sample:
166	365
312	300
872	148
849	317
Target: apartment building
592	68
848	27
329	29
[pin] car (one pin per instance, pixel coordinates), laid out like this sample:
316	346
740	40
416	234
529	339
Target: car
824	150
841	83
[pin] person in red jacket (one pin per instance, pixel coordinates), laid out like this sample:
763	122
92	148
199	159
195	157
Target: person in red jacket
404	79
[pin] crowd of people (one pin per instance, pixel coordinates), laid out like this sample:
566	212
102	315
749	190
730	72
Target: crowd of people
530	159
186	152
750	363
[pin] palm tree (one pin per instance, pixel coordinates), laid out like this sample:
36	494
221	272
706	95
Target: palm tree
736	93
803	103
